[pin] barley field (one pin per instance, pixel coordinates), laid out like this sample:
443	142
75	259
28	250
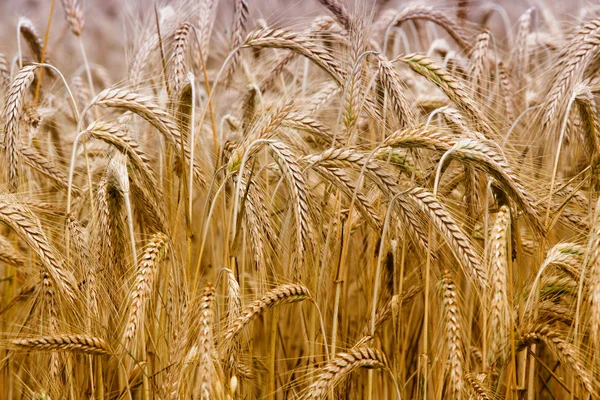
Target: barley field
320	199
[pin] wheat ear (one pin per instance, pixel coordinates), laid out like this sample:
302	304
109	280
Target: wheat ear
240	18
293	174
574	59
479	390
177	65
12	115
452	329
74	16
28	227
10	255
564	350
343	365
72	343
289	293
339	11
438	17
281	38
499	324
392	83
4	70
206	20
459	243
206	344
451	87
144	282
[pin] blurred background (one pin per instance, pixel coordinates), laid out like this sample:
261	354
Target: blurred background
113	26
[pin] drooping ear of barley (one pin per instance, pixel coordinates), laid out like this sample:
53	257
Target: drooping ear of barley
392	83
343	365
484	157
564	351
451	87
46	167
568	257
34	41
289	293
459	243
142	105
28	227
480	391
281	38
114	135
339	11
145	107
419	11
312	126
